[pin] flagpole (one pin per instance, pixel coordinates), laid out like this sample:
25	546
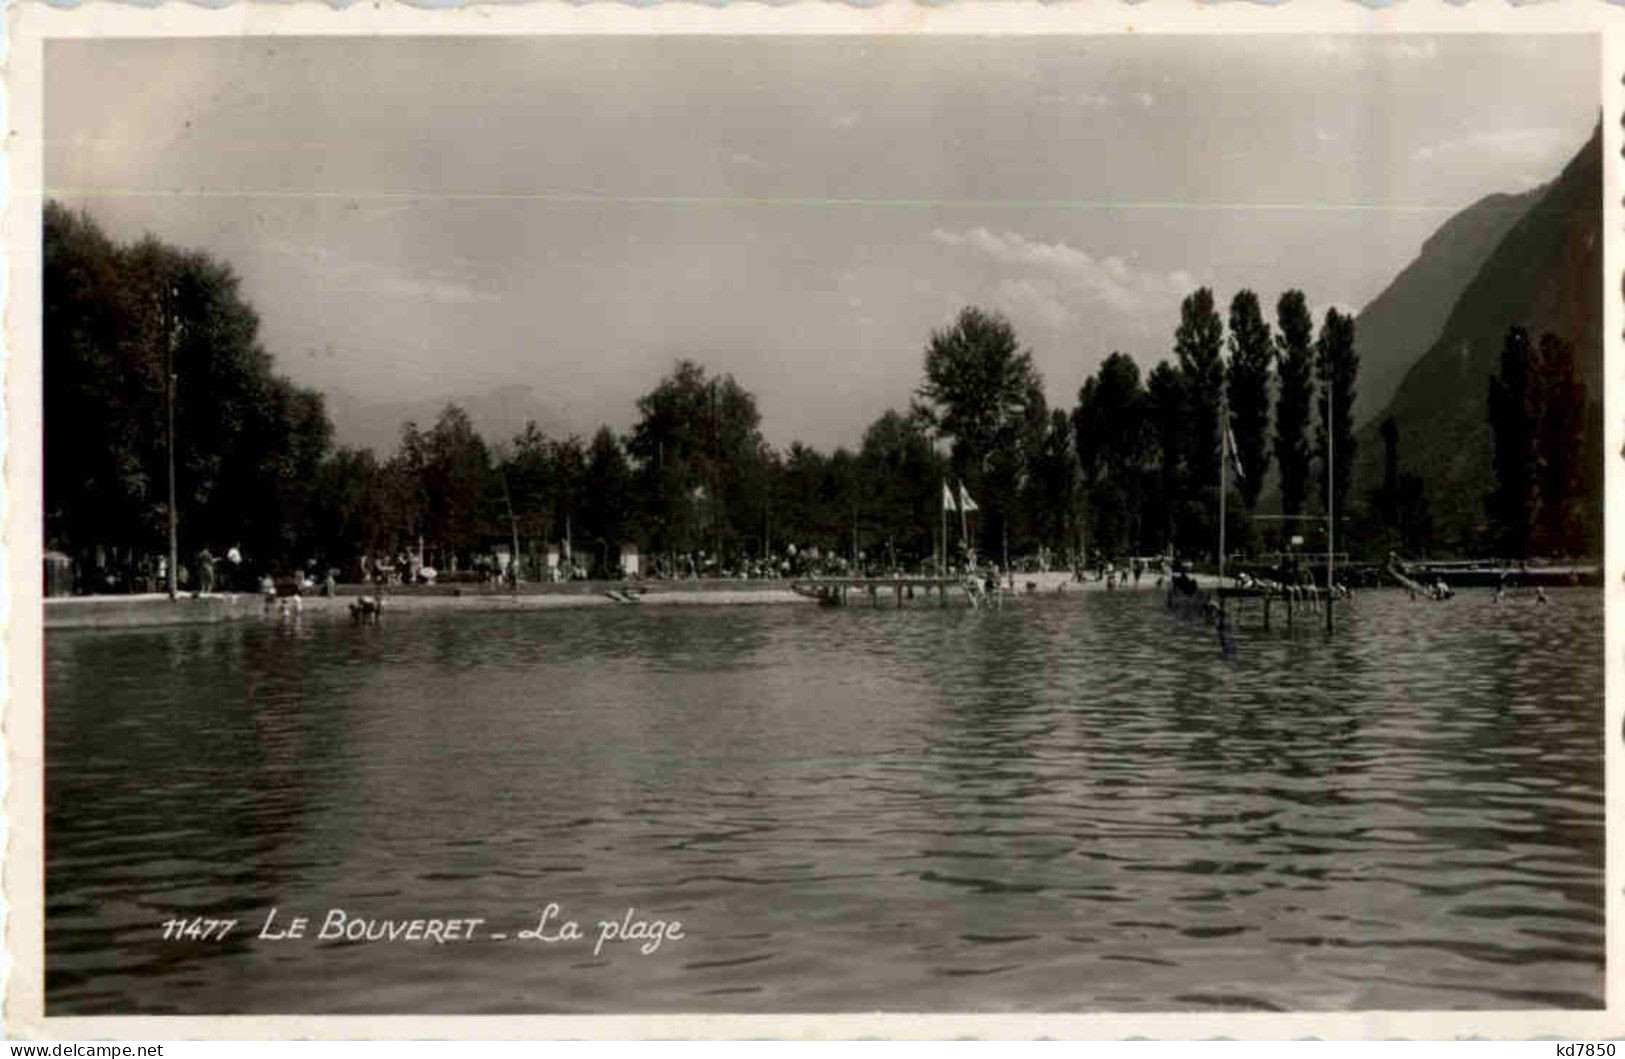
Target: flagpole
1331	481
1224	455
964	520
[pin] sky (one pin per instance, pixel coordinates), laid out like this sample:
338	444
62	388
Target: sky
418	218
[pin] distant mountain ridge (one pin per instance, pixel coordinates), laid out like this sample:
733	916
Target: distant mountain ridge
1398	326
1545	274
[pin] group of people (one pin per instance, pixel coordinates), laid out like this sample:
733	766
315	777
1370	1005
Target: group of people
1114	574
228	575
791	562
1505	583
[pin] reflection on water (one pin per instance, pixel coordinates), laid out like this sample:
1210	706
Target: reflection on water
1071	804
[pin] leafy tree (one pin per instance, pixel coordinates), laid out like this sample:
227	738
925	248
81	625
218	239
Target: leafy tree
1405	522
1336	366
1053	483
458	489
1591	479
701	459
1199	345
351	515
1560	437
1248	388
1388	497
249	445
607	502
567	458
801	518
533	489
901	477
842	499
983	393
1294	366
1513	413
1166	404
1110	424
404	486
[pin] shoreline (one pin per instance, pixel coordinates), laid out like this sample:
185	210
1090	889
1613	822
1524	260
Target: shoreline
157	609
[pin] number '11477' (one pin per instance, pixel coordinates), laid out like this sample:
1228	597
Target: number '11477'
198	929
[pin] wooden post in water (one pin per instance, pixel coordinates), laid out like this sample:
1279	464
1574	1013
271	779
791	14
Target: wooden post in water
1331	496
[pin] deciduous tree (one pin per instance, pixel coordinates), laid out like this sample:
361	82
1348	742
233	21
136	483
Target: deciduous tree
1295	369
1248	389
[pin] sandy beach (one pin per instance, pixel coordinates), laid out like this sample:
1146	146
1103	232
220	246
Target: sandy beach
154	609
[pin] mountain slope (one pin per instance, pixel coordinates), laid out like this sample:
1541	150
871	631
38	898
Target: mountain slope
1544	275
1402	322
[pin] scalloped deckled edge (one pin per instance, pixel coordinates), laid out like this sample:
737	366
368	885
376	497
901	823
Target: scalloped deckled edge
22	876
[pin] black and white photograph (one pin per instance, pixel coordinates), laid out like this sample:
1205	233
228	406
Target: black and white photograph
593	524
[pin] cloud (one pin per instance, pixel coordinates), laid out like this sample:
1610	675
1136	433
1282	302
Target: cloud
437	289
1053	283
1036	300
1525	145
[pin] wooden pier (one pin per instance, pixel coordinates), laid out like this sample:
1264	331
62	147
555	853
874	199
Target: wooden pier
837	591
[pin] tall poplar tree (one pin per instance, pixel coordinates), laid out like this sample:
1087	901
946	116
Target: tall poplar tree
1248	390
1337	364
1295	367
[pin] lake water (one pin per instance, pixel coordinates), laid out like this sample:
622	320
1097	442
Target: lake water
1072	804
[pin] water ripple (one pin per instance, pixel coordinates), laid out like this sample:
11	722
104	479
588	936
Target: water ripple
1076	803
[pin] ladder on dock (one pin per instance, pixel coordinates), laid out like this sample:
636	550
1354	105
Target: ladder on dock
1271	594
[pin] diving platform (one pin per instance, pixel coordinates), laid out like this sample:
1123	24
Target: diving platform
1268	595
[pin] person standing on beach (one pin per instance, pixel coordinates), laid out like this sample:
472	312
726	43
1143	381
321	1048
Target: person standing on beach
205	572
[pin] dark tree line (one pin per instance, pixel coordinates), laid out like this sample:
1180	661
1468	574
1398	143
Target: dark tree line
1132	468
113	316
1150	455
1545	439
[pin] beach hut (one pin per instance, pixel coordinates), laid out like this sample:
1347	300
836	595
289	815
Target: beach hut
629	560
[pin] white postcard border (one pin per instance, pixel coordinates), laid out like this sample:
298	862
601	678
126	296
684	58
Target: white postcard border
31	23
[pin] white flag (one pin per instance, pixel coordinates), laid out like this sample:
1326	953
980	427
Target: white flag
1235	457
948	498
965	502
